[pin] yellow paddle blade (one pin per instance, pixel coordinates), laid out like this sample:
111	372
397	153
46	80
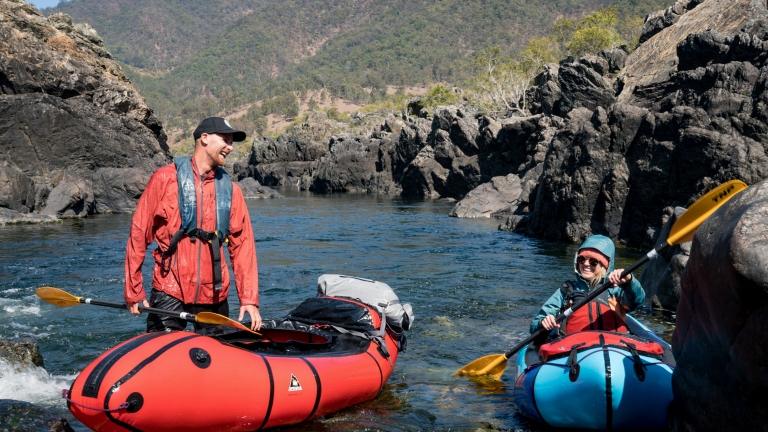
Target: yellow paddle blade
216	319
685	227
58	297
491	365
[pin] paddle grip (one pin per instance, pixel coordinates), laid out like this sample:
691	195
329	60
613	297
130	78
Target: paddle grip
596	292
182	315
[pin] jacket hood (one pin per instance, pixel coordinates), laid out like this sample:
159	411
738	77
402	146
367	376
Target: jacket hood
602	244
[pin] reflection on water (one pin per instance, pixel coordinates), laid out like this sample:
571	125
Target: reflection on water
474	290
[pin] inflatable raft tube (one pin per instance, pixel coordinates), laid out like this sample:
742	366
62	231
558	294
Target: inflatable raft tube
230	381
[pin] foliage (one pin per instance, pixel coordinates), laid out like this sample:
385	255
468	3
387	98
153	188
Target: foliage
285	105
595	32
395	103
157	34
592	40
191	58
334	114
502	81
437	96
253	122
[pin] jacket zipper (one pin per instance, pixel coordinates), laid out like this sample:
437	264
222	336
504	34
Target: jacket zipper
199	242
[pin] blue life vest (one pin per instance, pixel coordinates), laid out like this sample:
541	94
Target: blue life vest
185	178
188	197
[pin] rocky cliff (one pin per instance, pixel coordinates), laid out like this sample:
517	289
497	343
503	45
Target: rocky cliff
75	137
613	143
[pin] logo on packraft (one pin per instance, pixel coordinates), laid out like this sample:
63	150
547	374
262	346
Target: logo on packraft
295	386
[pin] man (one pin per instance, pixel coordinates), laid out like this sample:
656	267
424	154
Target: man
191	208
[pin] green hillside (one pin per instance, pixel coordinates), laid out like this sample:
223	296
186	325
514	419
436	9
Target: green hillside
157	34
225	59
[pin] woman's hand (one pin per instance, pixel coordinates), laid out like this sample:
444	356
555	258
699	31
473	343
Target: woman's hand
548	322
616	279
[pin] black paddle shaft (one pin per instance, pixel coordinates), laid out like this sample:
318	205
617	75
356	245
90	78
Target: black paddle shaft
187	316
596	292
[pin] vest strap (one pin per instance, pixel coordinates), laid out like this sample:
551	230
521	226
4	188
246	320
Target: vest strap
197	233
188	211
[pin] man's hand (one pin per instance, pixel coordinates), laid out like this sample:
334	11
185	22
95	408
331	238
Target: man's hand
253	311
133	308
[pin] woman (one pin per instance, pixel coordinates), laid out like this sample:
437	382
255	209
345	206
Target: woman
593	263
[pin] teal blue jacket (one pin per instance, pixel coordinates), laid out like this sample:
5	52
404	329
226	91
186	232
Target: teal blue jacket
630	294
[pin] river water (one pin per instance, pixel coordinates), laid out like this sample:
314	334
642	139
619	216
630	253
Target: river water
473	288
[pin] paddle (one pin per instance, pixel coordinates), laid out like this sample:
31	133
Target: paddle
682	231
64	299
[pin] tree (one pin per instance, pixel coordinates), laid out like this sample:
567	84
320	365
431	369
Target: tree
502	81
591	40
439	95
595	32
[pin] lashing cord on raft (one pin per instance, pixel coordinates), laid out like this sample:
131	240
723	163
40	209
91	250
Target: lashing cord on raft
589	354
65	395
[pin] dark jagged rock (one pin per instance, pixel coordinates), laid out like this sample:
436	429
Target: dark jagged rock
545	96
76	137
21	352
584	184
461	128
253	190
26	417
648	70
719	342
616	58
351	166
658	21
661	277
582	84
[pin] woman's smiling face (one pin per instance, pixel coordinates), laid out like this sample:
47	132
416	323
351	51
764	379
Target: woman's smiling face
588	267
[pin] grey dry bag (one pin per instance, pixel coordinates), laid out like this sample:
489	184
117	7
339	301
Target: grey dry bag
370	292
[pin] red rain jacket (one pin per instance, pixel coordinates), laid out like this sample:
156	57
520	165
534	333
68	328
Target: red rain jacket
190	278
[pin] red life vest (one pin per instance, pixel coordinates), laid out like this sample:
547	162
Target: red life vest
604	312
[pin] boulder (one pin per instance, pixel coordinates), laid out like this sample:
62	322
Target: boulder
17	191
584	183
424	175
615	57
21	352
544	97
499	195
253	190
720	343
26	417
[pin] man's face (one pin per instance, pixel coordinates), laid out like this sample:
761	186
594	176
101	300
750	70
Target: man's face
217	147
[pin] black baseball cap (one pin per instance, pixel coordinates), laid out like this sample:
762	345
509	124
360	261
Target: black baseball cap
213	125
